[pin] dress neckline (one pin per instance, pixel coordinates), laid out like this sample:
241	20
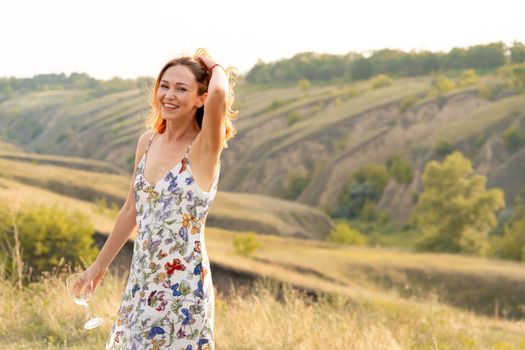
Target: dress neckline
145	158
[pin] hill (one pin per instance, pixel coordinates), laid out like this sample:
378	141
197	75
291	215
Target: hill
302	145
43	180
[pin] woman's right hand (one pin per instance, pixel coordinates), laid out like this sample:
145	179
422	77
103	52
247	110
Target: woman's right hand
93	273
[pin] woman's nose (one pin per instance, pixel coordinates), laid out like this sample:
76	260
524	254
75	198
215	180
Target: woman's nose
170	94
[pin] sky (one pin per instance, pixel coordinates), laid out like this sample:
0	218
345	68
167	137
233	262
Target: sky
108	38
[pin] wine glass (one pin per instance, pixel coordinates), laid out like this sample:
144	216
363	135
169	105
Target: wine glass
81	293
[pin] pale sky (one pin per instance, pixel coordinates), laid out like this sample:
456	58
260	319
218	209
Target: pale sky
107	38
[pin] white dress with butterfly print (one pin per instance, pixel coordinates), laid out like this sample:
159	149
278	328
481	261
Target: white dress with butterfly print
168	302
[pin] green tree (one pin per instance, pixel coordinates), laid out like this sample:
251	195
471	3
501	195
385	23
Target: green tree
517	52
455	212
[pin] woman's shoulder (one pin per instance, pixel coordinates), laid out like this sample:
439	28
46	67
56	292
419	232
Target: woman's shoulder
144	139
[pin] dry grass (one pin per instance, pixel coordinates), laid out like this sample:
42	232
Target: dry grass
42	317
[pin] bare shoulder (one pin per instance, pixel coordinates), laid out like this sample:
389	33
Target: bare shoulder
143	140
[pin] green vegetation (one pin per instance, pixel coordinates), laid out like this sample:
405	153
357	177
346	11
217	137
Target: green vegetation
366	184
440	85
246	244
345	234
514	76
443	148
297	182
382	80
400	169
304	85
294	117
354	66
514	138
42	317
455	212
43	236
406	102
45	82
469	77
512	244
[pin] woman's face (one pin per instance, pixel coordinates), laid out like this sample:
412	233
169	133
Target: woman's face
178	93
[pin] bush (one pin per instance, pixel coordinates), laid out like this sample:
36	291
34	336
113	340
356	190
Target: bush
366	184
304	85
486	92
469	77
380	81
245	244
407	102
400	169
294	117
443	148
442	84
343	233
514	138
47	234
296	184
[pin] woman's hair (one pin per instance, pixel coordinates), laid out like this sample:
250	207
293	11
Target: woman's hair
155	120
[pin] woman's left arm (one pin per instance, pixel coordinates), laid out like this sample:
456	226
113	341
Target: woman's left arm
215	107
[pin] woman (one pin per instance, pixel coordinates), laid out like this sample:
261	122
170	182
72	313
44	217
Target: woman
168	302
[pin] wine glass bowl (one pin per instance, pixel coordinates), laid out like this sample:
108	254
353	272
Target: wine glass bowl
80	290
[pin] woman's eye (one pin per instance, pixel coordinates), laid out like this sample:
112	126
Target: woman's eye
182	89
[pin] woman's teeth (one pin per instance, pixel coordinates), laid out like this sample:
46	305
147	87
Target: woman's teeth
169	106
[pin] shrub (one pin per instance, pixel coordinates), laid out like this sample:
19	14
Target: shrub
380	81
49	233
513	137
442	84
246	244
343	233
407	102
443	148
304	85
469	77
366	184
400	169
296	184
294	117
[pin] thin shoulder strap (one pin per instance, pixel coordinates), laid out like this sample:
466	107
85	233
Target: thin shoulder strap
150	139
188	149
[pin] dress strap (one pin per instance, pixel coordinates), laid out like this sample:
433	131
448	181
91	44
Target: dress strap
186	155
150	139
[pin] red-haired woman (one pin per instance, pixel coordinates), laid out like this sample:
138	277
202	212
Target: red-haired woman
168	302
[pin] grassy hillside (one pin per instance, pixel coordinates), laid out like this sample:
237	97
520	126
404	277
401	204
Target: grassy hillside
296	144
45	183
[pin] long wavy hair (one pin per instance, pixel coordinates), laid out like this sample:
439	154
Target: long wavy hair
154	120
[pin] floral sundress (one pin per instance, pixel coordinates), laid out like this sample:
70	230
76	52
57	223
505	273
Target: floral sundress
168	302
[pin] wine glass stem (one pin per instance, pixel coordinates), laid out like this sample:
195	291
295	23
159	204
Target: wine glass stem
87	311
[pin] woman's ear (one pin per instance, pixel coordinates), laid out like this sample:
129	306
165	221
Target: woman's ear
202	99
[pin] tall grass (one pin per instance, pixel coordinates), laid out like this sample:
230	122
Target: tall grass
267	316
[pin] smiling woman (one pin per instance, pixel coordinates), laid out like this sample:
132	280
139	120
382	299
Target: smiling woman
168	302
192	73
